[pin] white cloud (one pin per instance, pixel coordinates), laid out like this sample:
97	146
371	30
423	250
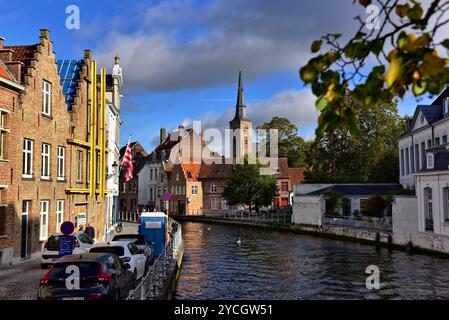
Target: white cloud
185	45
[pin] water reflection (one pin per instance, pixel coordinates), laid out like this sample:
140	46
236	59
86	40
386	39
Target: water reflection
273	265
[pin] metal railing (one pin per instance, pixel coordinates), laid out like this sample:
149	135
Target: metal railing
153	283
279	217
128	216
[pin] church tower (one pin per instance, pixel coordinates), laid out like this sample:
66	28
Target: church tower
241	127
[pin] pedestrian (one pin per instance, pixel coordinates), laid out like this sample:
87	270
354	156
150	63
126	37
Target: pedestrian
90	231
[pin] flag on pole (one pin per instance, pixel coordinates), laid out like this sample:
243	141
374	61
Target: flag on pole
127	162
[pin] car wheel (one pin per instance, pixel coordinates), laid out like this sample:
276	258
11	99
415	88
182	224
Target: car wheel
44	266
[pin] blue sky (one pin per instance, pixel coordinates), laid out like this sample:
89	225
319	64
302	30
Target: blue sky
181	59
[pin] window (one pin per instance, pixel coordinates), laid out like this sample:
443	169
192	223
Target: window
224	204
430	161
444	139
98	173
422	119
59	214
61	163
402	163
407	162
412	159
428	209
213	187
446	204
1	144
346	206
46	98
27	158
363	203
284	186
194	190
88	168
429	144
45	173
3	221
437	141
214	204
151	174
79	166
416	157
43	230
423	155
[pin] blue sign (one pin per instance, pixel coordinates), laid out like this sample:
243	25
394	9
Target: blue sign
166	196
66	245
67	227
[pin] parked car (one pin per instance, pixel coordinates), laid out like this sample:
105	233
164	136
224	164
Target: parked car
102	276
50	253
128	253
142	243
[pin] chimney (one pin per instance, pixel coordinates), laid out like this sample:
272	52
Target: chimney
163	134
88	54
2	40
45	34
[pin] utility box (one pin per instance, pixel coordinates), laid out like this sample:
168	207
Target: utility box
153	227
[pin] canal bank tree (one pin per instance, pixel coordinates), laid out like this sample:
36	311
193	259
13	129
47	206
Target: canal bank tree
341	157
247	186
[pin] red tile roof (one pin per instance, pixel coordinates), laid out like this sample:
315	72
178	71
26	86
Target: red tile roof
22	53
296	175
4	72
191	171
215	171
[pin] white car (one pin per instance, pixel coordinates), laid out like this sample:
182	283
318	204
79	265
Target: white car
128	252
51	248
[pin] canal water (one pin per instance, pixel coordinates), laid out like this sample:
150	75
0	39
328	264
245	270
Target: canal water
273	265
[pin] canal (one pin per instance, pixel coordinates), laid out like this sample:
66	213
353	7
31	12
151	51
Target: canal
273	265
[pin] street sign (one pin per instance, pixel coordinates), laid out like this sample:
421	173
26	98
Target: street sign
166	196
67	227
66	245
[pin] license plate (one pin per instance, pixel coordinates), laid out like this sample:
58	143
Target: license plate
73	298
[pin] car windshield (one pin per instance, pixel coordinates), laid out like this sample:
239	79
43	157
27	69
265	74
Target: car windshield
114	250
62	270
139	240
53	243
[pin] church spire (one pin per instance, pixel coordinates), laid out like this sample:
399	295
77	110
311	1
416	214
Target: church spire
240	108
240	96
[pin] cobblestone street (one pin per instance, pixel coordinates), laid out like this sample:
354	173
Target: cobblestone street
21	281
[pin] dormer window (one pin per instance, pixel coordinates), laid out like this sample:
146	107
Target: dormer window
446	105
430	161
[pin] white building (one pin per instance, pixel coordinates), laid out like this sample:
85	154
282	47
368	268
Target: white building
114	82
423	219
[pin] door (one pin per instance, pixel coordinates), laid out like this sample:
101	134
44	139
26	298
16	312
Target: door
181	207
24	238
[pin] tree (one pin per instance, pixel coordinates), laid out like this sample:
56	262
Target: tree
399	42
290	144
341	158
247	186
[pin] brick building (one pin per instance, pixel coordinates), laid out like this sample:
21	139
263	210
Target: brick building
128	190
185	189
10	94
88	100
38	163
213	178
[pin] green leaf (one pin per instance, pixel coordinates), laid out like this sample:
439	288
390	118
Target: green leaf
394	71
321	103
308	74
316	46
445	43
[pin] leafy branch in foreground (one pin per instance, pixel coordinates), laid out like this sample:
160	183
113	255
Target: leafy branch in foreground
402	49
